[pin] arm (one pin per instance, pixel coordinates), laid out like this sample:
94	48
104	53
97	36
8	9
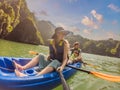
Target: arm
79	58
65	56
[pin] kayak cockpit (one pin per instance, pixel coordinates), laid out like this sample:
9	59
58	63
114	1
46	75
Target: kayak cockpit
9	81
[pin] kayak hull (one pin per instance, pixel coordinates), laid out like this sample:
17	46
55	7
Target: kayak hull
9	81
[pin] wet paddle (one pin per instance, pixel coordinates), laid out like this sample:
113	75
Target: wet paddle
100	75
63	81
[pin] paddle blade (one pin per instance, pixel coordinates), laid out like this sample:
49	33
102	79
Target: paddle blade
33	53
107	77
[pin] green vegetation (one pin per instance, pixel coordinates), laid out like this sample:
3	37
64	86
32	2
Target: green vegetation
40	38
15	18
102	47
7	17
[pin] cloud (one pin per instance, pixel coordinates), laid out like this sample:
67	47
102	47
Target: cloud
97	16
114	7
110	35
88	32
61	25
89	22
43	13
57	5
115	36
73	29
114	22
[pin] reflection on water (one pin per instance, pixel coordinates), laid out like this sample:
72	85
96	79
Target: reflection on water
8	48
81	80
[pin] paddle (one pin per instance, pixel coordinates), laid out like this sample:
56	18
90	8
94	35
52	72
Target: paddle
33	52
91	65
100	75
63	81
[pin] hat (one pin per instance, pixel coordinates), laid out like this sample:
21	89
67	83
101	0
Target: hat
60	29
76	43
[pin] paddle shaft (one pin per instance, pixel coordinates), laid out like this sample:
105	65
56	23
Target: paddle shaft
79	69
63	81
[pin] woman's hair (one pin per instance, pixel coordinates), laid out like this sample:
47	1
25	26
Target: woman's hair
54	42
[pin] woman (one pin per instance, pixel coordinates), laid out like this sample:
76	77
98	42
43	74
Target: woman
57	59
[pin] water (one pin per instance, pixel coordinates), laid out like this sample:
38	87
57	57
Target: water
81	80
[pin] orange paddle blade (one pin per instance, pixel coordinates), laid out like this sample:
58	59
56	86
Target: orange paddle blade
107	77
33	53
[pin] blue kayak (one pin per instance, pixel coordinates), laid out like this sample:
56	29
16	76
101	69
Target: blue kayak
9	81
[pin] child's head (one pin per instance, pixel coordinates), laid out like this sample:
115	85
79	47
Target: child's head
76	45
76	53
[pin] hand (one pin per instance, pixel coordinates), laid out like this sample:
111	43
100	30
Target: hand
60	69
48	58
69	62
84	64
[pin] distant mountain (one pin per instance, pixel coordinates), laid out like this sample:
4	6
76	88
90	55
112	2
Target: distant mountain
47	29
17	22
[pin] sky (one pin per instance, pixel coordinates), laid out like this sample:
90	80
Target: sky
93	19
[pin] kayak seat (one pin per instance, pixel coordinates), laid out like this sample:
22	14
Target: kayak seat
9	64
6	65
2	66
21	61
24	61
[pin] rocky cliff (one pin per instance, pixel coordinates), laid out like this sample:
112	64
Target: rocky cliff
17	22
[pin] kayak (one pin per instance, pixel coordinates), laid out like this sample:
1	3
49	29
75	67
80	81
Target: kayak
9	81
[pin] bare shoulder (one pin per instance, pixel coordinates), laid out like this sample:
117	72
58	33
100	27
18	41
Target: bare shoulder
66	44
66	41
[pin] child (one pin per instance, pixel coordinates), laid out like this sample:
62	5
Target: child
75	54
